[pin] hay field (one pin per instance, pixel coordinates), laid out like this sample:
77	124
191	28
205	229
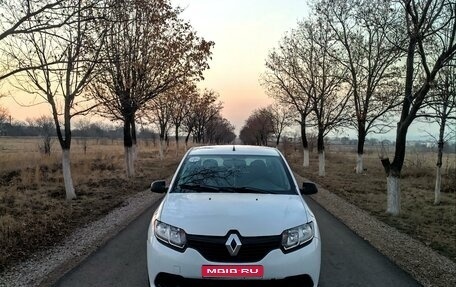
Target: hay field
33	211
420	218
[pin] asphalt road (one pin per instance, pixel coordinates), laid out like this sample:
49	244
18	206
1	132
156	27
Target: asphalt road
347	260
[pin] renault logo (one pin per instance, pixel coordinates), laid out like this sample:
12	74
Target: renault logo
233	244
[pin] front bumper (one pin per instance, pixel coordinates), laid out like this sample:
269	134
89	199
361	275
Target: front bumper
167	267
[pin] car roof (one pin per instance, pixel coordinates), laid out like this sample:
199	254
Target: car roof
234	150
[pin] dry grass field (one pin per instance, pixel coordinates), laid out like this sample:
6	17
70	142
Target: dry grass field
433	225
34	214
33	211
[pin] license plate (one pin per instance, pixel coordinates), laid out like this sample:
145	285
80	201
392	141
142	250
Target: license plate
232	271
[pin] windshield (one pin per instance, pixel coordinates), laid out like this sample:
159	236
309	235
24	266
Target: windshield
234	173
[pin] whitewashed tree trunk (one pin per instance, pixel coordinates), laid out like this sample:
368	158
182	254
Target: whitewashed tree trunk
306	158
129	161
438	186
160	146
68	180
359	164
134	149
394	195
321	163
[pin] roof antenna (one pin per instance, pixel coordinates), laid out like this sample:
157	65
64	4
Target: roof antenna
234	149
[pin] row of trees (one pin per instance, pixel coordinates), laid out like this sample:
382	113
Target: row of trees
361	63
264	122
217	131
184	109
114	57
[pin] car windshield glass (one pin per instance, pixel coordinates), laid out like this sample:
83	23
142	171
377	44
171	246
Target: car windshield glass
236	174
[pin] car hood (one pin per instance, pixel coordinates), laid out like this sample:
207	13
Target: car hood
217	213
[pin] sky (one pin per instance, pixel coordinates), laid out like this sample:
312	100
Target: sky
244	31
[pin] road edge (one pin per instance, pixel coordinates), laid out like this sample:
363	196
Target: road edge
424	264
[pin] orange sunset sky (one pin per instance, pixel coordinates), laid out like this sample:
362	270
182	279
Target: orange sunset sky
243	31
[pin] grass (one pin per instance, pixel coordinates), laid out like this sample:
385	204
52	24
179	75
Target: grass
34	214
420	218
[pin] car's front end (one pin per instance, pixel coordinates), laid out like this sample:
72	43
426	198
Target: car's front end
233	237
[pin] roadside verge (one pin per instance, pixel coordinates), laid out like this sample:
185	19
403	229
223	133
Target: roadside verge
427	266
45	267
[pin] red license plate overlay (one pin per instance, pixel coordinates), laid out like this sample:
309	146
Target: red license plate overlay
232	271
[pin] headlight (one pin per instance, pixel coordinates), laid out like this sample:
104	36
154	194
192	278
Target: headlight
297	236
169	234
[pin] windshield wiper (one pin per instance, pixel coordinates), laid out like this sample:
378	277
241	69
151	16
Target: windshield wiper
246	189
200	187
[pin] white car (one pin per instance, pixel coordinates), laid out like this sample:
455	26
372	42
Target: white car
233	216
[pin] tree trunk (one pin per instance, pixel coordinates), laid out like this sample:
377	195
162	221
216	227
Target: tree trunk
186	139
134	152
321	154
160	147
68	180
361	141
321	163
306	158
129	161
133	140
128	147
278	140
393	172
393	195
359	163
65	144
438	186
438	179
177	140
305	142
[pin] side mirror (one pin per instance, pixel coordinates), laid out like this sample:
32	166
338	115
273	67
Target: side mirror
158	186
309	188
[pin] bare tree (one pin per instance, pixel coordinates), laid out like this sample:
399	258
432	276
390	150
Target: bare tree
324	78
83	126
150	51
46	129
430	45
4	116
21	17
284	82
441	109
258	128
205	109
281	117
159	113
220	131
184	97
66	57
189	122
362	29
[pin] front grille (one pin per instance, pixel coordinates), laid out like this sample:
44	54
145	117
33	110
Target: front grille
253	249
